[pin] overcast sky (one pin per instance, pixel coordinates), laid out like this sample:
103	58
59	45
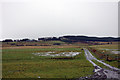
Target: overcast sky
44	18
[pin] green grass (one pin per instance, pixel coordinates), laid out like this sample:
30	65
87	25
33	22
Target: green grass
115	63
43	42
100	64
21	63
112	46
51	41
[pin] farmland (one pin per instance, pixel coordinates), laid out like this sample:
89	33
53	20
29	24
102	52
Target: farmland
24	62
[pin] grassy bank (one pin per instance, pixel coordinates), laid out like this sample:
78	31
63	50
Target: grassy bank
114	63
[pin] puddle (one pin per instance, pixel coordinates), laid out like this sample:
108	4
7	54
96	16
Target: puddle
52	54
116	52
38	76
111	49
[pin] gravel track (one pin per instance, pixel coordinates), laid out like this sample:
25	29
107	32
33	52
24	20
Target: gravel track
101	73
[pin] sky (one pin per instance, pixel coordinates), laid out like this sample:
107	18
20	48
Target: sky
47	18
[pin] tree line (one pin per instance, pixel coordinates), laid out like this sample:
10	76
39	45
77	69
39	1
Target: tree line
66	39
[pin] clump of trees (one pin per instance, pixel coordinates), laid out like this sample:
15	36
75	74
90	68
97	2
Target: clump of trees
48	39
7	40
21	40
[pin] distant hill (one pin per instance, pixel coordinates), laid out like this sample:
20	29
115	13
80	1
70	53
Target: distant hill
67	39
86	38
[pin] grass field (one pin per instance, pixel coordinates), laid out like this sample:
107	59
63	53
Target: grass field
21	63
109	46
101	48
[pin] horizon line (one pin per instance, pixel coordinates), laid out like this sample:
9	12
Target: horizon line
60	36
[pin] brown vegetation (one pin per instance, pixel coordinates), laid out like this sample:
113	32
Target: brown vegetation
105	55
67	46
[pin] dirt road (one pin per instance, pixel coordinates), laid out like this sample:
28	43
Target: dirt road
101	73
